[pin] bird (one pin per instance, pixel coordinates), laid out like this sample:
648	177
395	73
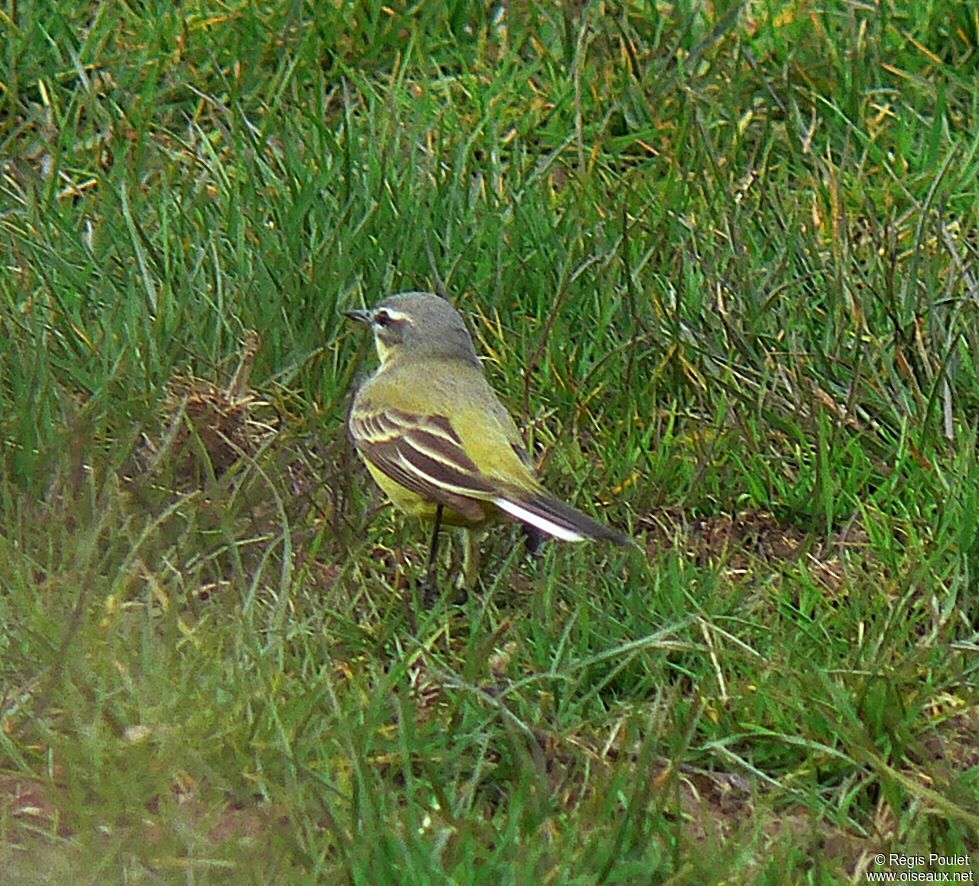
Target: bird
435	436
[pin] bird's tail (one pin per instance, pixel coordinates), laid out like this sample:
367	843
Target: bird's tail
554	517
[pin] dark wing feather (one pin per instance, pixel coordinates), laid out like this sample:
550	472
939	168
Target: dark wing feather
423	454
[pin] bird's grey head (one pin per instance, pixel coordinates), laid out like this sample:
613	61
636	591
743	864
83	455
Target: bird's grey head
418	324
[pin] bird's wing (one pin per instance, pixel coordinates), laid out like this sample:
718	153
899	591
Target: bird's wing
421	452
426	455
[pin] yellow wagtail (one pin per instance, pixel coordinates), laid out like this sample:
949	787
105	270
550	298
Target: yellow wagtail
437	439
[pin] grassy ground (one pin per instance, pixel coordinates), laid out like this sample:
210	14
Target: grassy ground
722	259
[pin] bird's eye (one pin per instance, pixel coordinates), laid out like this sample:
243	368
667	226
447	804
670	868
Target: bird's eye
382	318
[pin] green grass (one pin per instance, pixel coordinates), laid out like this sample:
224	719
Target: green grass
721	260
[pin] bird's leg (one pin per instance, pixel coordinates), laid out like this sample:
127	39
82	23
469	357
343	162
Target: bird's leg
430	591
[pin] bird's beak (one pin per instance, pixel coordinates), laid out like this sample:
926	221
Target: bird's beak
360	315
